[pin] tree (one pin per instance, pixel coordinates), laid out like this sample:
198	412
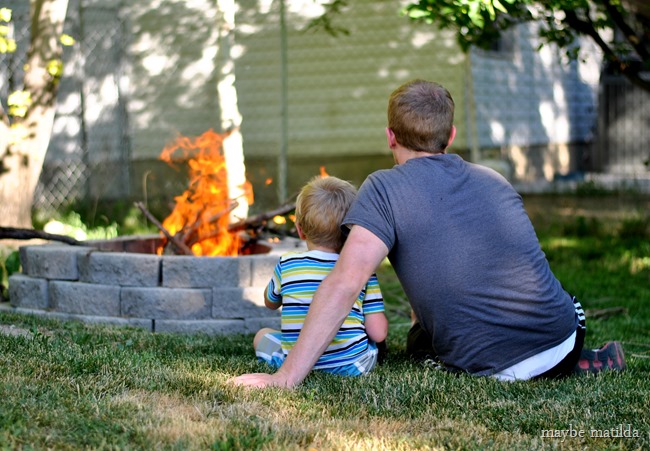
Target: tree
620	28
26	126
233	148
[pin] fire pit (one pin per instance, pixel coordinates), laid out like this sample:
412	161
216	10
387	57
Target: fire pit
214	282
124	282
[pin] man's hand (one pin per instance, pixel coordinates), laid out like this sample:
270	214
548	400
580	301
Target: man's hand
261	380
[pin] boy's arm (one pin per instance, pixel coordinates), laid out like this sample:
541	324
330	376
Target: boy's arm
272	293
376	326
269	303
375	320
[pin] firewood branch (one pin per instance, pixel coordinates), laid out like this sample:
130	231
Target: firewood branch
190	235
256	220
15	233
179	244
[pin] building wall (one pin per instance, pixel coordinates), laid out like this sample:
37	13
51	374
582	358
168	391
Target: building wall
534	106
172	52
337	87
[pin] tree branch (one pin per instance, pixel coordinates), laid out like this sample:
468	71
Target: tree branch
626	69
260	218
630	35
16	233
179	244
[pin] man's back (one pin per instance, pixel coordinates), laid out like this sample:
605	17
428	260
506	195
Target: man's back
468	258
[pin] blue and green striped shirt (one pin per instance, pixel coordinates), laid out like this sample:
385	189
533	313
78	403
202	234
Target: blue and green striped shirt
295	280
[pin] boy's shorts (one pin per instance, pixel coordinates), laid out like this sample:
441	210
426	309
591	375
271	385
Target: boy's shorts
269	350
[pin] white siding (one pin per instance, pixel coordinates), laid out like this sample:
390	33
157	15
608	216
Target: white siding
338	87
531	97
173	81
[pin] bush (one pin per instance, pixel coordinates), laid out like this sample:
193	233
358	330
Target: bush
635	228
8	266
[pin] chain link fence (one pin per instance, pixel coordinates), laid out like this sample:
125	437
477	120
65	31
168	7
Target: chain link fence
89	153
623	132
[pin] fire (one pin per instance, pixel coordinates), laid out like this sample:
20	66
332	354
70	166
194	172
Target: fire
323	173
202	213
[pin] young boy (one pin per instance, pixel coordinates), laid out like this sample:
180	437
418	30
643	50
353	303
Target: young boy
320	208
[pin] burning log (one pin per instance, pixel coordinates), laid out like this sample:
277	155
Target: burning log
179	244
15	233
254	222
188	236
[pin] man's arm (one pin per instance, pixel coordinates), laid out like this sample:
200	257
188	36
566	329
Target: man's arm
361	254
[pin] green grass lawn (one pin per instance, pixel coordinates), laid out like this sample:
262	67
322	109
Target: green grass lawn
65	385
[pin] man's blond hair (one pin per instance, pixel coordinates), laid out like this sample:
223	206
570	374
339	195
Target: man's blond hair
421	115
320	208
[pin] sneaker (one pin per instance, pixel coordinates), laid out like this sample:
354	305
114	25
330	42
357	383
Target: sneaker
609	357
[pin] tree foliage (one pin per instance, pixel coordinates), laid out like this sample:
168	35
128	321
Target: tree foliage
620	28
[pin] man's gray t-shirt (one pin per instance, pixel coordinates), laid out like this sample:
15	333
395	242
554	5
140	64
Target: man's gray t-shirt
469	261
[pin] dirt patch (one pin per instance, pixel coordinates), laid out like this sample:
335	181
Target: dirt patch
14	331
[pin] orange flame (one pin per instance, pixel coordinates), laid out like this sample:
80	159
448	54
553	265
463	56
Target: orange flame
323	173
203	210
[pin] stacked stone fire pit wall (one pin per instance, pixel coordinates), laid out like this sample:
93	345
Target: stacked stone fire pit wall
213	295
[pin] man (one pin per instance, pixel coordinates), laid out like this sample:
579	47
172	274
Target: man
484	299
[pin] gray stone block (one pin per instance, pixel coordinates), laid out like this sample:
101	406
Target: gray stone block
84	298
100	320
252	325
209	327
166	303
52	261
120	268
205	272
28	292
262	267
113	321
240	303
141	244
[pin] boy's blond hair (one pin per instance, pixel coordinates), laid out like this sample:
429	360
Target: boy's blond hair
421	115
320	209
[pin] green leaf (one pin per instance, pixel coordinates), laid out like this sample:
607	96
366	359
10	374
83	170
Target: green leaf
5	14
19	102
417	14
12	263
55	68
475	16
497	4
7	45
490	10
67	40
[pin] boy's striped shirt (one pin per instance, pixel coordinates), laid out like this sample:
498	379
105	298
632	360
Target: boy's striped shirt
295	280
